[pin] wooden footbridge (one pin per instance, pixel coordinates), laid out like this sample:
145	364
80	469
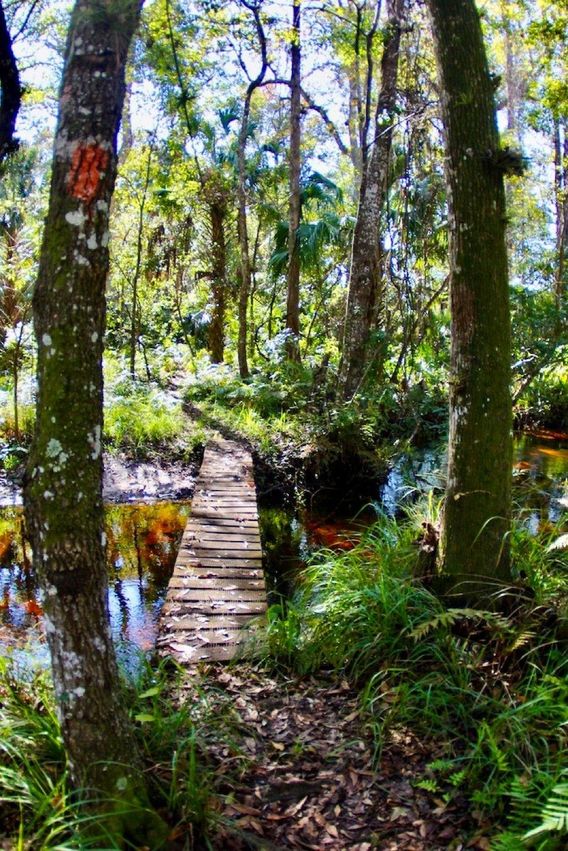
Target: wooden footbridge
217	585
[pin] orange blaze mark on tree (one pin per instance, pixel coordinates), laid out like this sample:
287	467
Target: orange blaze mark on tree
87	166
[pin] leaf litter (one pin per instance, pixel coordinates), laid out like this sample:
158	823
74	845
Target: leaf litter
298	769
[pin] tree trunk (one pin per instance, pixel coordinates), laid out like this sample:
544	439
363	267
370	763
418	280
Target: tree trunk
63	491
365	273
245	271
293	299
476	519
127	132
217	213
10	90
135	311
561	198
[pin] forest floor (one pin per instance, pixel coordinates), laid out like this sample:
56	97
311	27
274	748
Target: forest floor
297	770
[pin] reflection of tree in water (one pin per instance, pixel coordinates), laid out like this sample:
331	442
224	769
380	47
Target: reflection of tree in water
123	607
19	607
147	538
142	546
281	541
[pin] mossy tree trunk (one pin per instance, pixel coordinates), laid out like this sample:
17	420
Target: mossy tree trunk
364	293
63	491
561	199
10	92
476	518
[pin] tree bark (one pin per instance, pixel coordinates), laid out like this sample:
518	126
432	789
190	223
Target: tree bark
63	489
135	310
11	92
561	199
293	297
217	214
476	519
365	273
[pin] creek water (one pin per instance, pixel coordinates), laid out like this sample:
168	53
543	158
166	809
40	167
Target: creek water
143	539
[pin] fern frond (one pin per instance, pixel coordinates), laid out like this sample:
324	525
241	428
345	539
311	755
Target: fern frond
554	815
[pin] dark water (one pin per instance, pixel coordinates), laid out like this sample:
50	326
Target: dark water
540	497
143	540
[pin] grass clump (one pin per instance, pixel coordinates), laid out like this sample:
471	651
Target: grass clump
143	419
493	687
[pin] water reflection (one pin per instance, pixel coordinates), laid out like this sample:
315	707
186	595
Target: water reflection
143	541
540	478
540	494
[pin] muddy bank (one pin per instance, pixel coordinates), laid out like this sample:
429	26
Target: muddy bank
127	480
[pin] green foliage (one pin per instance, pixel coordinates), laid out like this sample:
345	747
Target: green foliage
140	417
37	808
493	687
142	420
554	815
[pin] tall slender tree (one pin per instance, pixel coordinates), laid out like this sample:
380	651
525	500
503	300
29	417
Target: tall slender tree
215	195
364	294
293	296
245	264
63	490
476	519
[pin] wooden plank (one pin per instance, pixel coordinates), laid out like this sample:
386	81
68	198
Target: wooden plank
215	607
185	654
229	549
231	504
250	595
247	500
231	532
218	584
230	563
210	516
208	637
218	572
229	535
229	558
246	524
192	621
196	582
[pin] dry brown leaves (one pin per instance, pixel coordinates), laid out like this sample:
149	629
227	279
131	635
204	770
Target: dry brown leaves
308	780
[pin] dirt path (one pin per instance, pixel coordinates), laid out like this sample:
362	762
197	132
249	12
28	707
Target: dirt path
296	771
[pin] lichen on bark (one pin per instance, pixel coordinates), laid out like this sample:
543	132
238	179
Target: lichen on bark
476	519
63	488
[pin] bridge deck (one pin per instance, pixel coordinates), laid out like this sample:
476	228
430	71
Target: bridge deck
218	583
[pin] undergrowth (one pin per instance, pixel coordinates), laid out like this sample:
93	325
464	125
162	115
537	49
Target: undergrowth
289	403
140	417
38	809
493	687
